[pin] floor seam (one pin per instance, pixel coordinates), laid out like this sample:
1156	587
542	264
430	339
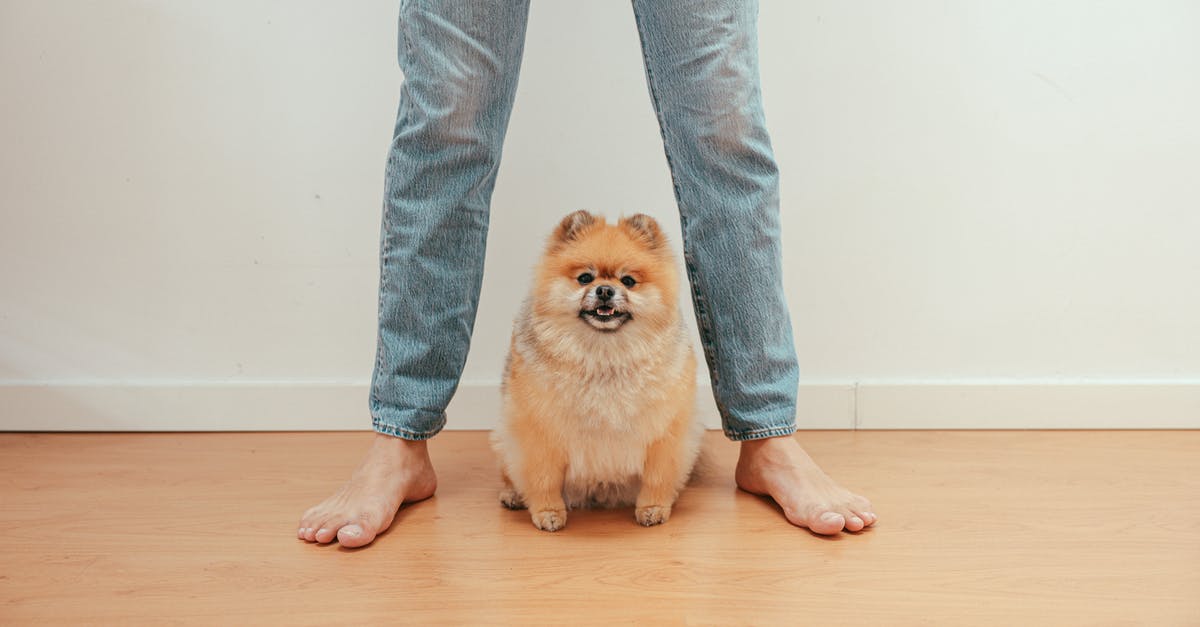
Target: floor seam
854	405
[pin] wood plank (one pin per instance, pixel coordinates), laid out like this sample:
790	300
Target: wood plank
976	527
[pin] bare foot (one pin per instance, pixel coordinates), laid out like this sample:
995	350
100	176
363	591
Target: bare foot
395	471
780	469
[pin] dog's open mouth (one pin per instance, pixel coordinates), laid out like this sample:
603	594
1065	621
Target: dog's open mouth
604	317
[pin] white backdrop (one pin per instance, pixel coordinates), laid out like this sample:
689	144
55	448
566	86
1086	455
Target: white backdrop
991	209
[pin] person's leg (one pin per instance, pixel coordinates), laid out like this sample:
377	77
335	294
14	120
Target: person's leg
702	69
461	60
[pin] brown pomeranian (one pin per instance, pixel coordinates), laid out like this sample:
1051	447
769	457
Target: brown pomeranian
599	386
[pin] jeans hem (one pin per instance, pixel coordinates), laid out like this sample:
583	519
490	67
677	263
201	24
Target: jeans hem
759	434
405	434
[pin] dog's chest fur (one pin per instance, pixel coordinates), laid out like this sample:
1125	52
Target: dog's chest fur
604	410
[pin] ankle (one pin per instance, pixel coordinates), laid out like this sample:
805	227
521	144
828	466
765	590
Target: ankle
399	451
776	450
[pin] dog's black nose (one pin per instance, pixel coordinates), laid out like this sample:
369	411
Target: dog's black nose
605	292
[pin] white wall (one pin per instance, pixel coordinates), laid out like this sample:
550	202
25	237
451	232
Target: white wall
985	203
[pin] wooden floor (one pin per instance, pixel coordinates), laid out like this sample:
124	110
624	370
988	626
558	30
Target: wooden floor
1005	528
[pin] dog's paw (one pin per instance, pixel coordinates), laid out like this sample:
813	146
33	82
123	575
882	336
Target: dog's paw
550	519
651	515
511	499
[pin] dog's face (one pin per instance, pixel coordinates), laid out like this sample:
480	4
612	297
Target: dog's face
605	278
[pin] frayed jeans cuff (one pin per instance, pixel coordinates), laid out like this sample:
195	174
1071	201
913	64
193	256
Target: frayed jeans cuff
400	432
758	434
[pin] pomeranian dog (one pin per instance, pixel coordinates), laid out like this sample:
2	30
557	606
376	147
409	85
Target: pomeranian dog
599	385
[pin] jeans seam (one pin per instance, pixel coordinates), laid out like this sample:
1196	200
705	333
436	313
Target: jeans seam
404	34
386	223
374	397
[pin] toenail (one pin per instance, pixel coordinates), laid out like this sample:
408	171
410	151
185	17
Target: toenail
321	531
830	516
351	531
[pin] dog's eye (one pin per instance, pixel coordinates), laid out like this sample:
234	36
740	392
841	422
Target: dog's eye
586	278
628	281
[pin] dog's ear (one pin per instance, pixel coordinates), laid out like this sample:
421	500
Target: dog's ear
572	225
644	228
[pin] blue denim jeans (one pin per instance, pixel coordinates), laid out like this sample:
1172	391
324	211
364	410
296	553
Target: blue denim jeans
461	60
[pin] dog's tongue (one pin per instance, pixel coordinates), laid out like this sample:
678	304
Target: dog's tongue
604	311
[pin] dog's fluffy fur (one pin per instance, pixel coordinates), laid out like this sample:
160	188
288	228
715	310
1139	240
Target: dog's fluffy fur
599	393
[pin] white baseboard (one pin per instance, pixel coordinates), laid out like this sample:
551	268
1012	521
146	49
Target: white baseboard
278	406
1029	406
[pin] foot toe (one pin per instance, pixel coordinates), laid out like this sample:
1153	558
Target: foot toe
327	532
853	522
826	523
354	535
311	519
303	529
323	524
868	517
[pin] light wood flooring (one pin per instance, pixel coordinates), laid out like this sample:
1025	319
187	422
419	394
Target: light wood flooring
1005	528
